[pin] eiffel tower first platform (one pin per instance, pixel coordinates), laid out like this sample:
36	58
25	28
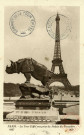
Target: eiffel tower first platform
57	60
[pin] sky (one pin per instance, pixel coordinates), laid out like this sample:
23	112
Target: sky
39	45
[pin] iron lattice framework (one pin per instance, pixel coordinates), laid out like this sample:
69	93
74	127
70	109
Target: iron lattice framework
57	61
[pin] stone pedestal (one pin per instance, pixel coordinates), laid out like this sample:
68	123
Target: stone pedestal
33	104
34	116
34	109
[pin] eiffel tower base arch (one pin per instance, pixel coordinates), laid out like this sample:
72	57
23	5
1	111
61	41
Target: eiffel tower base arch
61	78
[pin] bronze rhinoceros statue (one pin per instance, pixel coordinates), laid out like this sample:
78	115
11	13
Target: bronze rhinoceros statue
29	67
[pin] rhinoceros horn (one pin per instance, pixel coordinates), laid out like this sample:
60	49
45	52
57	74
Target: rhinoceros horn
11	61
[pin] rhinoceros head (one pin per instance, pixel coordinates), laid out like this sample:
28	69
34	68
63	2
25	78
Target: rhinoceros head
11	69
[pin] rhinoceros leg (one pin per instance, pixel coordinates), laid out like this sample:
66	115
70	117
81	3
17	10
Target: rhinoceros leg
28	77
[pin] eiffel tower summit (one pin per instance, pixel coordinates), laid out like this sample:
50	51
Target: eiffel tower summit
57	59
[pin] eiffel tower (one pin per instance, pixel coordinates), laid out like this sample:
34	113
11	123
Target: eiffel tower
57	60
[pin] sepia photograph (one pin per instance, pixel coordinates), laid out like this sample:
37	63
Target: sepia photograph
41	65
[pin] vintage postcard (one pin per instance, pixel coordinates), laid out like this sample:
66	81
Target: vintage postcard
41	69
